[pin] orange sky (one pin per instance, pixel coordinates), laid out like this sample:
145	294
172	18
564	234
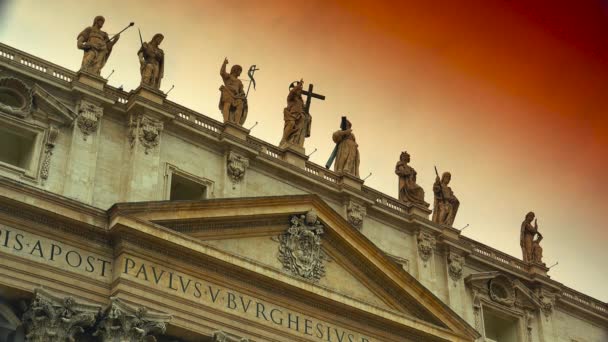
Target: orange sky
507	95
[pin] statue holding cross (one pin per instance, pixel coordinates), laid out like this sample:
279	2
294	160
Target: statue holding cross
297	115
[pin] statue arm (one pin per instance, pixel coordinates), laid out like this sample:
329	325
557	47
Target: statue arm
82	39
338	136
223	72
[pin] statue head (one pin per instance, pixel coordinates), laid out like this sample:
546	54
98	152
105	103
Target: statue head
405	157
446	177
311	217
158	38
236	70
530	216
98	21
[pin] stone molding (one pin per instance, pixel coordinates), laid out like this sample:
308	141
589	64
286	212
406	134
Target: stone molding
426	245
355	213
89	116
48	152
52	318
20	89
236	166
123	322
145	130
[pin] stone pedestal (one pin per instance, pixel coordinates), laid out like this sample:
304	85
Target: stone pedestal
236	130
91	80
351	181
295	155
539	269
149	93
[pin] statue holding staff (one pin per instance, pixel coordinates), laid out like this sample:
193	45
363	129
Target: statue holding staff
97	46
233	100
526	237
152	62
446	203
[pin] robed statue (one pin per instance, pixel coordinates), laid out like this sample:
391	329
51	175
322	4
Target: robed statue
152	62
347	156
233	101
97	46
527	242
297	120
409	191
446	203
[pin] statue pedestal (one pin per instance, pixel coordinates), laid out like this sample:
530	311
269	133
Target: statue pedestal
91	80
236	130
351	181
150	93
295	155
539	269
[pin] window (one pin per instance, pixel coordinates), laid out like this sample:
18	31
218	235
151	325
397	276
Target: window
499	327
20	147
181	185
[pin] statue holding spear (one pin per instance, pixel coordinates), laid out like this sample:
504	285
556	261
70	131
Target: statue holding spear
97	46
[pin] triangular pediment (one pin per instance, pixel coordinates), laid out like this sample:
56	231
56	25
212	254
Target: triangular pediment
254	233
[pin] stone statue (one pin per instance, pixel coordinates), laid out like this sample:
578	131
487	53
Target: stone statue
97	46
528	231
347	157
537	250
446	204
233	101
297	121
409	191
152	62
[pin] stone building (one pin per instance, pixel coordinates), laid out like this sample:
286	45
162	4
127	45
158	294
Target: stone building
125	216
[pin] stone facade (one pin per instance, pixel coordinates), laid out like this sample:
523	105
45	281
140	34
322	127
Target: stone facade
214	269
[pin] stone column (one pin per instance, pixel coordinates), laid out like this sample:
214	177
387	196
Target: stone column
235	175
426	258
82	156
546	330
52	318
125	323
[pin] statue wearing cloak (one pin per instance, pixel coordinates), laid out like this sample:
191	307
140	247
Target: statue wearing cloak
152	62
297	121
526	237
409	191
347	156
97	47
446	203
233	101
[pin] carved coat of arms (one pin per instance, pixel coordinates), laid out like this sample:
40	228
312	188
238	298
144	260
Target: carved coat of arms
300	247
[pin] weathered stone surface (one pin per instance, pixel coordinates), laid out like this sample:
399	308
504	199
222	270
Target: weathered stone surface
97	46
297	121
233	100
409	191
152	62
446	203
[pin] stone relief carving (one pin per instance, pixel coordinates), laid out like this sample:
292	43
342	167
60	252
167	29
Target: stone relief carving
501	291
455	265
300	247
220	336
146	130
426	244
123	322
236	167
476	308
17	98
88	118
355	214
529	318
51	318
48	152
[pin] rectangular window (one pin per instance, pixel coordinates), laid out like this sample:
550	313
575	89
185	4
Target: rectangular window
500	327
181	185
20	147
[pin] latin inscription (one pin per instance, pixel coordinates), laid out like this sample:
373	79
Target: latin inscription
57	254
232	301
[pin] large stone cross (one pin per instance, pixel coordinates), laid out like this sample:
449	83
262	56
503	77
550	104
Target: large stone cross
309	95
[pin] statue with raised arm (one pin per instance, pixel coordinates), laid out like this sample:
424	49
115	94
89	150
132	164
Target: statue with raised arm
446	203
97	46
297	121
526	237
152	62
409	191
537	250
347	156
233	101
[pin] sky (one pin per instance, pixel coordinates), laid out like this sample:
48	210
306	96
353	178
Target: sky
509	96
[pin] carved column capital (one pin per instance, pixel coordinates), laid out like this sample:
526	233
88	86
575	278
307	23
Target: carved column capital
426	245
220	336
123	322
236	166
355	213
88	118
52	318
455	265
145	130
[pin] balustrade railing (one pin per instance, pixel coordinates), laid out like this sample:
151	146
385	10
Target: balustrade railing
36	64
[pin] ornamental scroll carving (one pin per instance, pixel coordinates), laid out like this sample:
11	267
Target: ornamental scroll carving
48	152
426	244
123	322
51	318
355	214
455	265
501	291
17	98
235	167
145	130
88	118
300	247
